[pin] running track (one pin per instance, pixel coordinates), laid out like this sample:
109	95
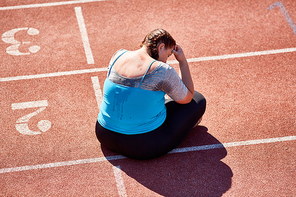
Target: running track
54	56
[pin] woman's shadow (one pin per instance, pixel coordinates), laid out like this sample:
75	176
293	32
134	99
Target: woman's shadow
189	173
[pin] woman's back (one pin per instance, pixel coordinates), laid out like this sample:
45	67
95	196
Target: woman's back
133	64
130	110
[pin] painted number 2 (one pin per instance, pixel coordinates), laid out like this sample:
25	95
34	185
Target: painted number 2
13	49
285	13
22	123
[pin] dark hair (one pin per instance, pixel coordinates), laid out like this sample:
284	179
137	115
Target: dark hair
154	38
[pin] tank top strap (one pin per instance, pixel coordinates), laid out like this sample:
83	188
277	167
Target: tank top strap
146	72
115	61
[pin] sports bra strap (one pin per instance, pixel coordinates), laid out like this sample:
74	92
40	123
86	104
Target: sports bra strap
115	61
146	72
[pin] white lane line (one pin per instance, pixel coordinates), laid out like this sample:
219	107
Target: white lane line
238	55
177	150
97	89
84	36
232	144
285	13
60	164
119	181
57	74
47	4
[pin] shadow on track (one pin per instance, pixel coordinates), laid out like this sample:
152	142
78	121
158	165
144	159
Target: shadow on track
197	173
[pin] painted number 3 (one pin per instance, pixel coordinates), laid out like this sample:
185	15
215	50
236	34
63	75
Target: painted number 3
13	49
22	123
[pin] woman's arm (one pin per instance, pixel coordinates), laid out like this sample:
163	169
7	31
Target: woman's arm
184	74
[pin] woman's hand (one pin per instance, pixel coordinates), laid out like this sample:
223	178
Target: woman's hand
179	54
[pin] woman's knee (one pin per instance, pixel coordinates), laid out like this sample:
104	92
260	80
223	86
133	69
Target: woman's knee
199	99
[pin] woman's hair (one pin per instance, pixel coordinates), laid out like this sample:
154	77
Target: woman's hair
156	37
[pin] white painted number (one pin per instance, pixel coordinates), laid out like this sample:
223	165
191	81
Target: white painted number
22	123
8	37
285	13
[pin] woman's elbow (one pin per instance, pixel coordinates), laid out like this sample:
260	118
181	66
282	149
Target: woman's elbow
187	99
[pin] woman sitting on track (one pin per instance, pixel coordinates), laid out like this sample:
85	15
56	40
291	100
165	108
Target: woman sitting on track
135	120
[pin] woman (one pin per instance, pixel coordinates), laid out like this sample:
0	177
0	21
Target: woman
135	120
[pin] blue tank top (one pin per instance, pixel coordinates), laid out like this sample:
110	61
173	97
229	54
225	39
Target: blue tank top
131	110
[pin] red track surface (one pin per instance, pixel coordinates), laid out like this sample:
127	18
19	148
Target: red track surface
249	98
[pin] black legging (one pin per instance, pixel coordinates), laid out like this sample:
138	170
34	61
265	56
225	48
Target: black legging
181	118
